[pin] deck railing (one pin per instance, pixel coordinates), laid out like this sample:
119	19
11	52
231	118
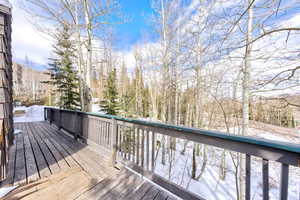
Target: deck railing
139	144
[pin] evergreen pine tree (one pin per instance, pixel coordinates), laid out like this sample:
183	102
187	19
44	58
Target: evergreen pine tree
62	73
110	104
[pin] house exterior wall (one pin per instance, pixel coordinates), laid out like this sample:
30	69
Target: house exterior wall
6	116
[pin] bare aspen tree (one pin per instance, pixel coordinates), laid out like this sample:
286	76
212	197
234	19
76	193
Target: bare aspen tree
96	15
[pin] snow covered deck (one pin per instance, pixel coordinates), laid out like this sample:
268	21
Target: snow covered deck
48	164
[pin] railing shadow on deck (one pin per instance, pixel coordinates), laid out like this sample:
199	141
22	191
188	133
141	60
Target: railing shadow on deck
41	150
150	149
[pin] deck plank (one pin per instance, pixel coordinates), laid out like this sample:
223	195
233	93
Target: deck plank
20	169
57	156
95	162
119	190
103	187
76	151
139	192
11	164
64	154
130	187
161	196
32	171
151	194
52	164
42	165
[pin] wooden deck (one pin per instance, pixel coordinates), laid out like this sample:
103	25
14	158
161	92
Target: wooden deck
48	164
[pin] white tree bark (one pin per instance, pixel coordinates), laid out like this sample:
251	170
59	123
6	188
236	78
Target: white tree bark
87	69
246	95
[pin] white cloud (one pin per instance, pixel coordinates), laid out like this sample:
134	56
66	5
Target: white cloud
294	21
26	40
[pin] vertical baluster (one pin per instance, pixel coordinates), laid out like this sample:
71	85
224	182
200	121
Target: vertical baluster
114	141
129	140
134	145
101	132
284	180
89	132
138	147
94	134
108	136
153	151
248	177
125	142
148	152
265	177
107	131
120	140
143	148
90	127
105	134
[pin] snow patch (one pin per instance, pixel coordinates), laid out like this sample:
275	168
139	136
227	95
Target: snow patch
32	114
17	131
5	190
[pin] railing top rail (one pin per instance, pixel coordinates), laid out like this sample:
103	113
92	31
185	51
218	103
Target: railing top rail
285	146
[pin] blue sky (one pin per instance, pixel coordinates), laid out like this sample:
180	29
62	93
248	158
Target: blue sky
37	47
131	31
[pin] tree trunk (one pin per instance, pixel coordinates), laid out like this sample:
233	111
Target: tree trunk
87	96
246	94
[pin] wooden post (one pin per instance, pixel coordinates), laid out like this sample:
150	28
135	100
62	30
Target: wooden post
51	115
45	112
114	136
265	179
248	177
59	126
78	126
284	181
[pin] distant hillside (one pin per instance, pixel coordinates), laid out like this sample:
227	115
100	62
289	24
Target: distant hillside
27	84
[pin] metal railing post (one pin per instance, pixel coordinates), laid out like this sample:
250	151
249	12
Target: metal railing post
114	136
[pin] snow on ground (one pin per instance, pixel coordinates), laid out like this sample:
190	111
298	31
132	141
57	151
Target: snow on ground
96	108
210	185
32	113
36	113
271	133
5	190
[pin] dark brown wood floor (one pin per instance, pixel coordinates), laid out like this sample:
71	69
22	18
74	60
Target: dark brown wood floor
44	161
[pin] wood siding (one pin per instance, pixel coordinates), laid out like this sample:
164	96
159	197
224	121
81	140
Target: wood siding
6	117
